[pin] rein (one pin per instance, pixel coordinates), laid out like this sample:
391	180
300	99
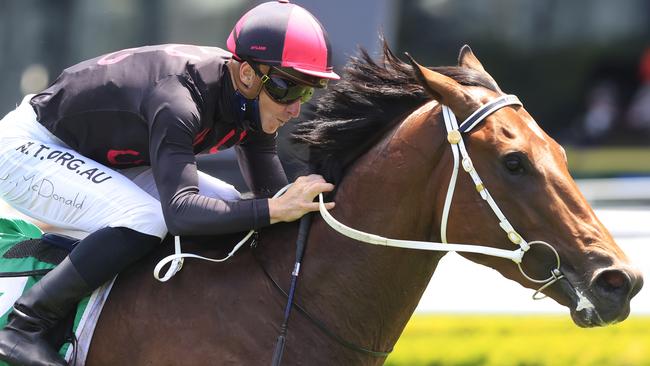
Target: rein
455	139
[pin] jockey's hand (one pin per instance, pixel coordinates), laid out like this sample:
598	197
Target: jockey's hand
299	199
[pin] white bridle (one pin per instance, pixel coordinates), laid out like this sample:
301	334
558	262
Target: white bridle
455	139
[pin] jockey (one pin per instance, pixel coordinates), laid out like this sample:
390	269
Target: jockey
110	149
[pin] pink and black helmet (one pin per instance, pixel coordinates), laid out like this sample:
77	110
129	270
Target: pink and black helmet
283	35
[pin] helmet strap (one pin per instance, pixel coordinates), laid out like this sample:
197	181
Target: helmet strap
246	111
245	99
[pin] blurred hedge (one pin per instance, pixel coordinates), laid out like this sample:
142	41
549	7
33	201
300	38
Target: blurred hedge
608	161
539	340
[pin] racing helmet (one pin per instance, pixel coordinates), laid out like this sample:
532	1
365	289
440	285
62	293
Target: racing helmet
285	36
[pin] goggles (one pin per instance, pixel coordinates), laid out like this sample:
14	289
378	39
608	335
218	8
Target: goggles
283	90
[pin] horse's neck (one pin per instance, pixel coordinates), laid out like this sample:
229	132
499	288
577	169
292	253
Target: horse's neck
387	192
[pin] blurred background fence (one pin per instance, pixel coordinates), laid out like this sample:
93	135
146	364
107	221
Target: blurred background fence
581	67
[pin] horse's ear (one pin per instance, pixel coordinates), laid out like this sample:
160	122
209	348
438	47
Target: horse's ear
468	60
445	90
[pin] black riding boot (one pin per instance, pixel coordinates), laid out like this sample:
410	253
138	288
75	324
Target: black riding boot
23	340
96	259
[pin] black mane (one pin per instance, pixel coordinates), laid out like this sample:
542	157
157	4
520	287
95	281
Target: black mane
370	99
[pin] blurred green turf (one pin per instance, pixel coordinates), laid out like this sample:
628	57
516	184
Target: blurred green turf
521	340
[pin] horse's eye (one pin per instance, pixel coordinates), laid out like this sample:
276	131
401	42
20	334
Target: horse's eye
514	163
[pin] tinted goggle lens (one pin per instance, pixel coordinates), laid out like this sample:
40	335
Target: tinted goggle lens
286	91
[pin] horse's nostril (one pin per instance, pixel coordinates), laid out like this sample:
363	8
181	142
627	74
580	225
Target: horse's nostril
614	281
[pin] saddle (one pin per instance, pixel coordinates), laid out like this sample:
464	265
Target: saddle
50	248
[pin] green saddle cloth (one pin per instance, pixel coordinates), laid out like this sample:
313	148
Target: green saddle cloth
23	261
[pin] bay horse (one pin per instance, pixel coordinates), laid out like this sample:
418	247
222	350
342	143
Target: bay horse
379	136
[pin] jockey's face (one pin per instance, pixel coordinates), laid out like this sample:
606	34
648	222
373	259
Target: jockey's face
274	115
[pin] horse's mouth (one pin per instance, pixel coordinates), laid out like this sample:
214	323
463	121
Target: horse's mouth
583	311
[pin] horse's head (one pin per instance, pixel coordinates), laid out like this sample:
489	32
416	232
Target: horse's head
526	173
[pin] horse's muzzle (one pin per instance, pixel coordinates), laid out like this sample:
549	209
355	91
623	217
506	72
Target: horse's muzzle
610	291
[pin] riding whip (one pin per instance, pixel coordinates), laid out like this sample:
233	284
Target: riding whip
301	243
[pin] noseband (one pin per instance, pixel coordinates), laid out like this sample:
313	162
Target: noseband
461	157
